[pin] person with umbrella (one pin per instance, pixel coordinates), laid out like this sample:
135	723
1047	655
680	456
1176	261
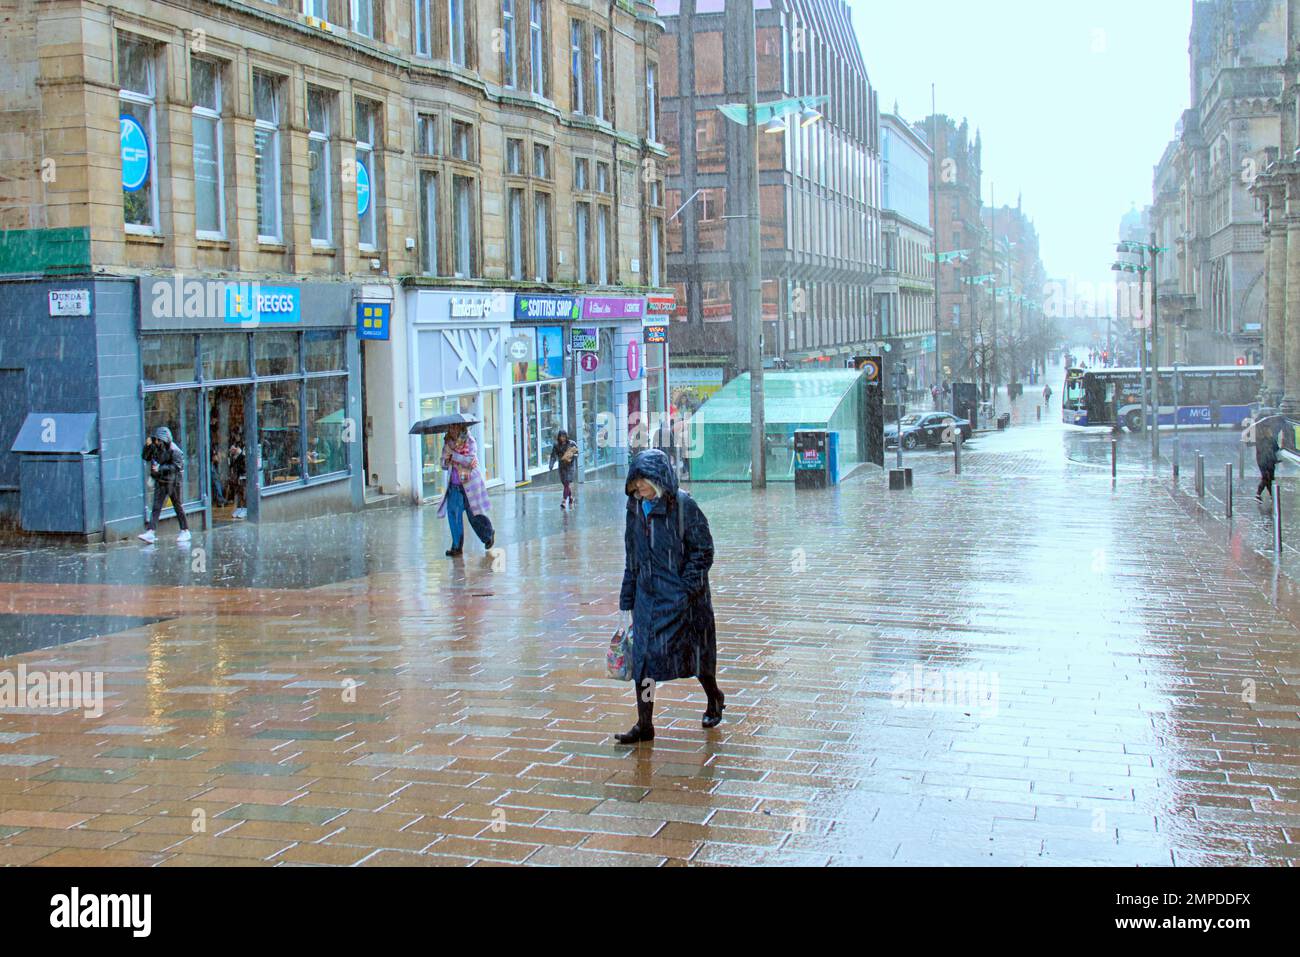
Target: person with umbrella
466	491
1266	455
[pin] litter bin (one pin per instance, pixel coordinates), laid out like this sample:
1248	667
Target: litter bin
1004	420
811	458
58	473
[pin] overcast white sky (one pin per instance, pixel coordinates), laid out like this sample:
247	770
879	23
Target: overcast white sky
1076	101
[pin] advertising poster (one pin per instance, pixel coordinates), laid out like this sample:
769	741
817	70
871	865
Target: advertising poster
550	352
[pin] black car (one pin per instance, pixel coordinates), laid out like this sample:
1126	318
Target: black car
926	428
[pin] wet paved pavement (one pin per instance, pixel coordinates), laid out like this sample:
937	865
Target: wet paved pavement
1022	665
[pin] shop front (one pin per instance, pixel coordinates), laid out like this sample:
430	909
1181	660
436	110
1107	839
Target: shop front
539	376
608	347
259	386
458	363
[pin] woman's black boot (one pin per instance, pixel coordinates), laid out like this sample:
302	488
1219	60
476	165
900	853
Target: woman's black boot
644	729
717	702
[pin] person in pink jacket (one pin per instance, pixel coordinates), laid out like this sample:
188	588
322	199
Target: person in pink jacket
466	490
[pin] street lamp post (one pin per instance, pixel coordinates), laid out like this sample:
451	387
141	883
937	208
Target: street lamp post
750	114
1176	443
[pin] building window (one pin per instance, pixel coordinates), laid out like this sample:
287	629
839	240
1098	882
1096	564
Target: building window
515	157
463	226
266	156
598	73
536	47
577	95
319	111
363	17
580	174
583	231
542	236
209	179
541	161
509	69
423	27
652	101
462	141
366	122
656	238
602	177
602	246
426	135
515	232
428	223
135	70
320	9
456	43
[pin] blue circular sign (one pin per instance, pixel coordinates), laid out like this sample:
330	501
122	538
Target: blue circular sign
363	189
135	153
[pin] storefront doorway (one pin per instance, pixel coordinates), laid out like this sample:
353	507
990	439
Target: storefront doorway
227	408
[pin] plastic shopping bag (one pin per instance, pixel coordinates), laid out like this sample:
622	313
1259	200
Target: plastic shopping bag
618	659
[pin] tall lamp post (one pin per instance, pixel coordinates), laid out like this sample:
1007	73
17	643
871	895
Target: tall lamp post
1144	250
749	115
1141	269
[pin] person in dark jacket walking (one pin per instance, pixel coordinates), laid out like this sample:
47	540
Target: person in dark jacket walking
1265	458
565	452
239	479
668	552
166	466
1216	412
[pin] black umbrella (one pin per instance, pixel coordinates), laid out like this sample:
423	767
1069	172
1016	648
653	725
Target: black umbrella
441	423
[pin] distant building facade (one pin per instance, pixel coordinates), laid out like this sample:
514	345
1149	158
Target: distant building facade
904	294
819	190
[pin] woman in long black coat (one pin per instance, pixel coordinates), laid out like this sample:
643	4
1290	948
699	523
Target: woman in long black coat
668	552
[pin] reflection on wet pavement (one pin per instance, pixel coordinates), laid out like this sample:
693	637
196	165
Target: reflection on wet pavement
1022	665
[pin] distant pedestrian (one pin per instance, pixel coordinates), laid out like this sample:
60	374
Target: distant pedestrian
936	397
668	551
1047	394
1216	412
166	468
238	479
1266	458
565	453
466	491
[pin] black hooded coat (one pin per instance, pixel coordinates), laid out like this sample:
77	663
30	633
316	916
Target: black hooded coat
666	578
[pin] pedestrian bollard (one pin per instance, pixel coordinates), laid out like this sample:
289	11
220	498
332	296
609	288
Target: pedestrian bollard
1114	459
1040	413
1277	519
1227	494
1200	475
1241	460
956	453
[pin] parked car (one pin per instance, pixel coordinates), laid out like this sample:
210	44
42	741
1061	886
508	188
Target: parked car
926	428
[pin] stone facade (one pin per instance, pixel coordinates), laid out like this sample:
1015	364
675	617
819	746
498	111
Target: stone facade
1211	283
63	170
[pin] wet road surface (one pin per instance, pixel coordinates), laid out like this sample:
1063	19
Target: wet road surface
1026	664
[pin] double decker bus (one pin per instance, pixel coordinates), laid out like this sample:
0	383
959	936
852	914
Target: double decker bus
1108	396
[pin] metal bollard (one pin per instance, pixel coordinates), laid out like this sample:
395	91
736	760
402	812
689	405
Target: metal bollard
956	453
1114	459
1200	475
1277	519
1241	460
1040	413
1227	486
